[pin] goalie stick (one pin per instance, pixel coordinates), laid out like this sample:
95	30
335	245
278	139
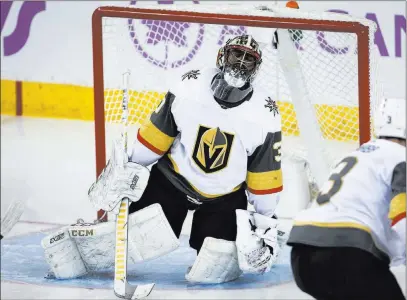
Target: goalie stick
12	216
121	287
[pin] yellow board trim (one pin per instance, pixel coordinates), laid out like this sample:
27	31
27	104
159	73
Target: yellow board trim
57	101
69	101
155	136
334	225
8	97
264	180
337	122
397	205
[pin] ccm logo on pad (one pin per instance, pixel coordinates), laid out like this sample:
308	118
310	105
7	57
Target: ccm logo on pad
82	232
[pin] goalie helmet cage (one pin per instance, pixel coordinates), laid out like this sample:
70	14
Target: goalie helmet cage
261	19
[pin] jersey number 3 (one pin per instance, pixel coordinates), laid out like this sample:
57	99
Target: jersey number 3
333	185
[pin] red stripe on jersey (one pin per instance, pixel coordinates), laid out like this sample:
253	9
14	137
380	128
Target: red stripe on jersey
265	192
398	218
148	145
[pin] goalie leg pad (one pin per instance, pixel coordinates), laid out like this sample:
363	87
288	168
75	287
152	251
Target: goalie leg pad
150	234
82	247
96	244
62	255
216	263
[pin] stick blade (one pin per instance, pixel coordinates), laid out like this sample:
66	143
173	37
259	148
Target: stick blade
142	291
136	292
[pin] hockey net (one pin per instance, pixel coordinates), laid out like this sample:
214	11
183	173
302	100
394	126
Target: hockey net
321	74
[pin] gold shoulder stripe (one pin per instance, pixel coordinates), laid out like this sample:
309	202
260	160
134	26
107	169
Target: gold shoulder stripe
397	207
154	139
265	182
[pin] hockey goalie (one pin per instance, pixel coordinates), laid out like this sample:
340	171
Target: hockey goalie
215	145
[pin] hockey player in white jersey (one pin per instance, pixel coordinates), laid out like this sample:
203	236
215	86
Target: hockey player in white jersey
343	244
217	142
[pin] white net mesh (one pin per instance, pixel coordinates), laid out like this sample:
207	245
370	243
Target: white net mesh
157	52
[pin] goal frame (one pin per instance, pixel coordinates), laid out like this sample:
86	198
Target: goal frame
362	32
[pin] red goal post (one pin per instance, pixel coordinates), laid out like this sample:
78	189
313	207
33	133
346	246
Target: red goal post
355	27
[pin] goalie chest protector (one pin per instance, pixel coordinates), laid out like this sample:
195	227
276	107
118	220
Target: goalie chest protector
209	156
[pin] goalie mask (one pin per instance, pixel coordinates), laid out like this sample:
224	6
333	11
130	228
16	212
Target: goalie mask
239	61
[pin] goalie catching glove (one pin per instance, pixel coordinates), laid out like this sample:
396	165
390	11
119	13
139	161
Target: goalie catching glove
119	179
258	241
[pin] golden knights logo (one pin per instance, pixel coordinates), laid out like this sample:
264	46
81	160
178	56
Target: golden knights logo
212	149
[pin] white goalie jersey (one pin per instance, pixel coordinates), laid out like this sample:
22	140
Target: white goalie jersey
208	151
352	208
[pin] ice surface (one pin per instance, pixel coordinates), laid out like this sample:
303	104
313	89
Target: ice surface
51	162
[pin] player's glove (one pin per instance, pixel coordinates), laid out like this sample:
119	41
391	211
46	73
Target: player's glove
119	179
257	241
